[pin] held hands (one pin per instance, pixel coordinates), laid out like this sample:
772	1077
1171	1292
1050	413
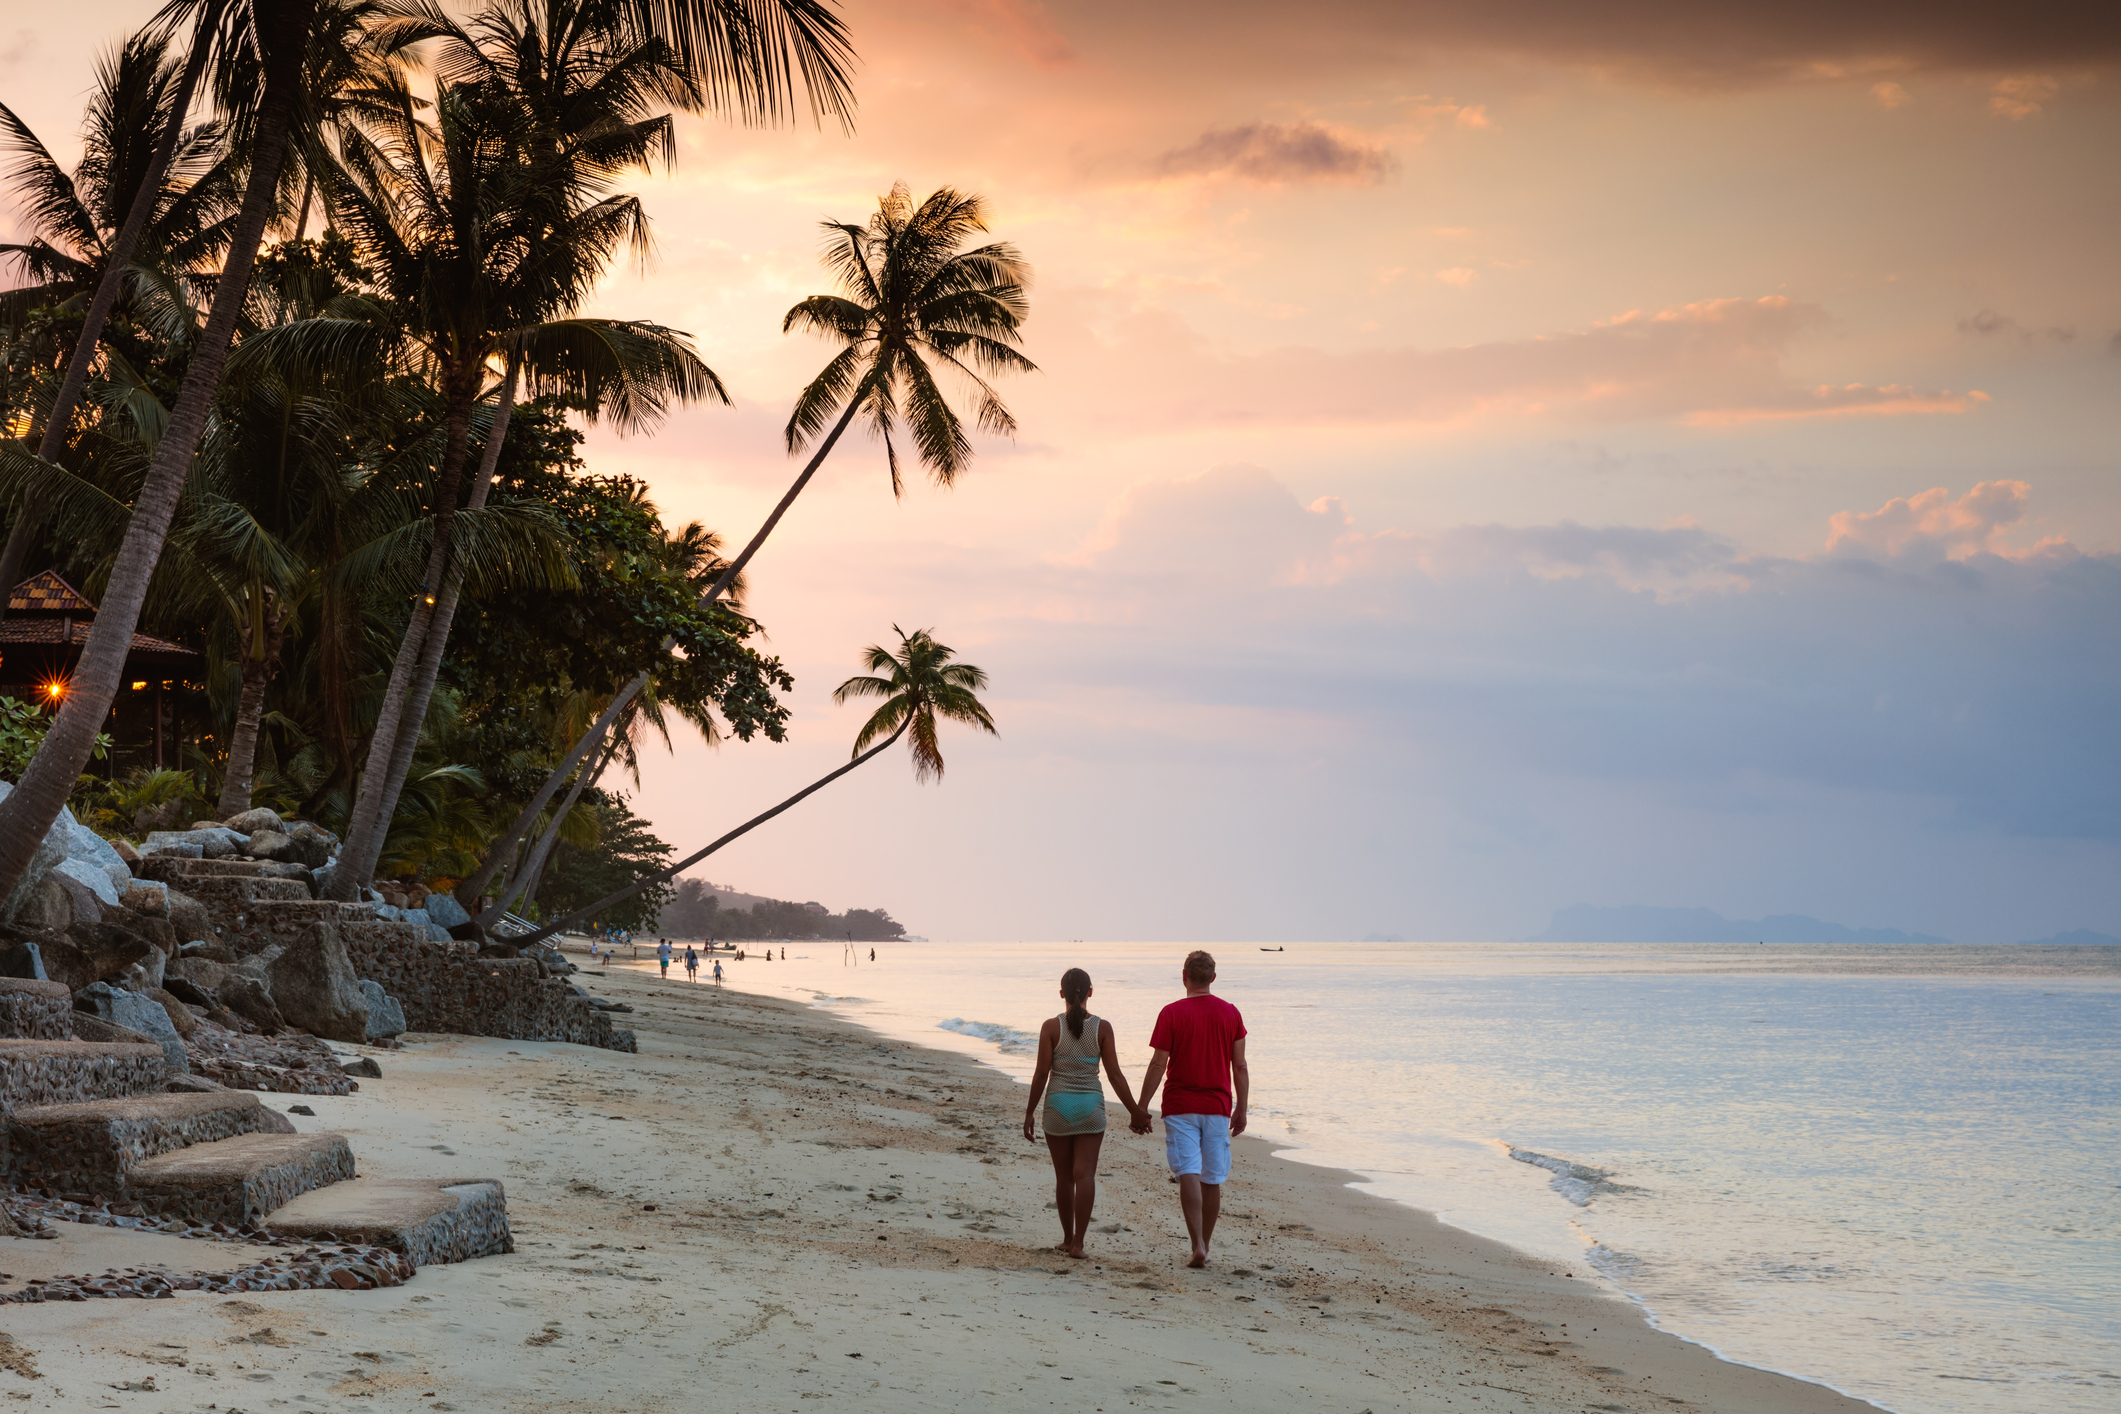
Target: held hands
1139	1122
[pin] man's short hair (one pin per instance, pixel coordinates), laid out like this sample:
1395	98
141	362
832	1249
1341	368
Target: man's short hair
1200	968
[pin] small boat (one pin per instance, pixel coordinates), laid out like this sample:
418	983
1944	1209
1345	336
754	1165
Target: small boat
1273	949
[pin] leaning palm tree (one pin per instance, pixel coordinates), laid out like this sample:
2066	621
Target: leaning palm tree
750	57
920	685
912	302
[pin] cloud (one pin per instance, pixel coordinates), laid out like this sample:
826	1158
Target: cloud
2020	96
1713	363
1890	95
1271	153
1988	322
1933	526
1458	275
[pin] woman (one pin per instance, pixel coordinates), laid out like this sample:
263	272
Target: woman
1070	1048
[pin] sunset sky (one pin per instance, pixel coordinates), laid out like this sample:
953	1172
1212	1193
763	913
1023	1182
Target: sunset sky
1486	458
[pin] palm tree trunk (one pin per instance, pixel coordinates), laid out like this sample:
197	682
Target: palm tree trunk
36	801
469	890
419	660
117	260
534	867
560	924
258	671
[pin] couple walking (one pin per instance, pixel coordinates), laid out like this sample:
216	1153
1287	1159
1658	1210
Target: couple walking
1199	1045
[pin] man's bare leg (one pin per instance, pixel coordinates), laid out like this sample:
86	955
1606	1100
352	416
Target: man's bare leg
1192	1203
1211	1207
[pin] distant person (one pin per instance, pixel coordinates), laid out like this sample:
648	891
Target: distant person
692	965
872	954
1071	1046
784	952
662	955
717	972
1200	1041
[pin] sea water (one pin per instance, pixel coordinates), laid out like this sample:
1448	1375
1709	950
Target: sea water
1889	1169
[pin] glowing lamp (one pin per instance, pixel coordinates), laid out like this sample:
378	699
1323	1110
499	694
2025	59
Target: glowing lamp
55	690
139	687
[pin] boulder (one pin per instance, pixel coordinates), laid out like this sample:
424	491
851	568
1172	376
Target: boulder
313	984
82	905
213	841
90	1027
272	1121
206	951
387	913
89	848
50	850
22	960
91	952
385	1017
191	1085
363	1066
189	917
179	1015
125	852
135	1012
250	999
249	822
315	842
271	844
145	976
442	908
185	990
436	933
148	896
93	877
415	916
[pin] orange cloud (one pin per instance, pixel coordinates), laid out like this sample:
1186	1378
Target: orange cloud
1849	400
2019	97
1890	95
1933	523
1273	154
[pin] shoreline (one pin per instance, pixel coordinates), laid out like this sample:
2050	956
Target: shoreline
777	1204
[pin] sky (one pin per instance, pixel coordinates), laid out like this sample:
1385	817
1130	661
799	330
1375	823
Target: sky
1484	458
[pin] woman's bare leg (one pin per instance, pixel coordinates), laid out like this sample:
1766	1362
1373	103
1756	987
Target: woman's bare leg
1087	1148
1063	1149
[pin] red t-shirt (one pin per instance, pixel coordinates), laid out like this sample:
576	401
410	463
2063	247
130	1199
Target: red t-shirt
1198	1032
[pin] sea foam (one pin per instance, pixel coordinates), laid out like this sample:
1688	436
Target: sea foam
1006	1038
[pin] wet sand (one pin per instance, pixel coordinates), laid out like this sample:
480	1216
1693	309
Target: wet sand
769	1208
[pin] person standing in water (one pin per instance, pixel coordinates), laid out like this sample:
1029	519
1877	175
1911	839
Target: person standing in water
1071	1047
662	955
692	964
1200	1041
717	972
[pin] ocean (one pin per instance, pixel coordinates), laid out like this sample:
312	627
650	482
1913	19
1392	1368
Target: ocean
1888	1169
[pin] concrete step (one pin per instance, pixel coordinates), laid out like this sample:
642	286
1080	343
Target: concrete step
428	1220
239	1181
95	1146
242	890
36	1073
35	1011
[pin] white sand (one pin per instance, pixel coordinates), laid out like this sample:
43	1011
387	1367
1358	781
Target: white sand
843	1222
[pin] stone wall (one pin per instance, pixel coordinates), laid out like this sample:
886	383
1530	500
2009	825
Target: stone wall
449	987
68	1072
35	1011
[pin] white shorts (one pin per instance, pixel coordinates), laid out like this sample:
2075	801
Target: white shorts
1198	1144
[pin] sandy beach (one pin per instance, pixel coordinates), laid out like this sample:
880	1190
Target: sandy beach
768	1208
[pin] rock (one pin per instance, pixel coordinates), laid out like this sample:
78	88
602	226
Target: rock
443	909
274	1122
191	1084
134	1012
148	896
416	916
213	841
257	818
186	991
90	1027
301	1110
93	877
313	984
416	896
145	976
387	913
87	847
271	844
50	850
91	952
179	1016
125	852
252	1000
385	1017
189	917
437	933
396	898
363	1066
82	905
23	960
315	842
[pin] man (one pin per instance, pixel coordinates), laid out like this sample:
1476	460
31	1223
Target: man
1201	1043
662	955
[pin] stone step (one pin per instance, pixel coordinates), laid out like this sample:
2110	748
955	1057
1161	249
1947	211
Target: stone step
239	890
427	1220
94	1146
170	869
239	1181
35	1011
41	1073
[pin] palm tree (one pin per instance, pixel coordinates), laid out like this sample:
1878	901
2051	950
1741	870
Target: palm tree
147	206
749	57
922	685
909	294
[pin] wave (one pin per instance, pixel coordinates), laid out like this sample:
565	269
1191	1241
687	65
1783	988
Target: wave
1579	1183
1007	1039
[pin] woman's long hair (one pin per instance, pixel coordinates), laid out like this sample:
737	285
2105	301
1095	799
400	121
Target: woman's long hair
1075	989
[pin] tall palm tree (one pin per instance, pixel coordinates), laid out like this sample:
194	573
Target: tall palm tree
921	685
750	57
909	294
